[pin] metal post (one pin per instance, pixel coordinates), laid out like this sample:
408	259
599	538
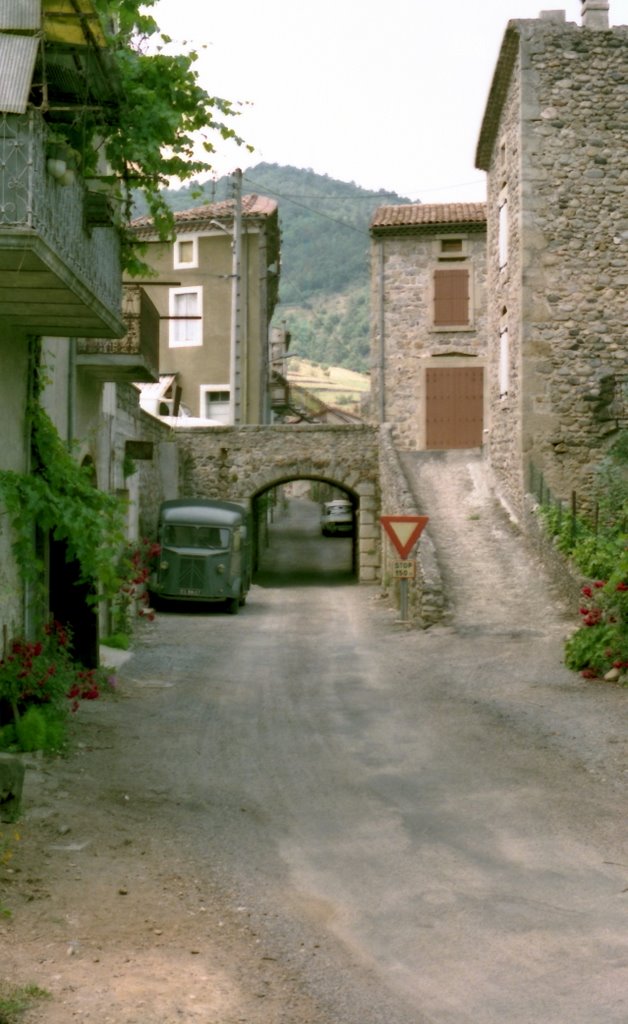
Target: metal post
403	600
235	301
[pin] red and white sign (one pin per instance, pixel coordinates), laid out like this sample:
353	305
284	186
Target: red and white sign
404	531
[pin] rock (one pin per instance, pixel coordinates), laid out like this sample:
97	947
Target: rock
612	675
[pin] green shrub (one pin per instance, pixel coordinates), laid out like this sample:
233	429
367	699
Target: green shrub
121	641
40	685
41	728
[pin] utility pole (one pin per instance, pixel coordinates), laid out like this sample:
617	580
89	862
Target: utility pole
235	354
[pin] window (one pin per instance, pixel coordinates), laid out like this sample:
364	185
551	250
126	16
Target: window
504	359
186	252
186	319
216	402
451	248
451	298
503	229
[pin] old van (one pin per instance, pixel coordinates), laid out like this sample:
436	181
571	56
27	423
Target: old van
205	552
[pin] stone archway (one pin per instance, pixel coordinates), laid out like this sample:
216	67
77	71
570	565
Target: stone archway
261	511
240	462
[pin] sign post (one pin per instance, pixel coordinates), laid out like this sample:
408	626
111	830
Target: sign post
404	532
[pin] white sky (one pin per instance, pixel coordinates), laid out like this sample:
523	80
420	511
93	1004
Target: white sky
385	93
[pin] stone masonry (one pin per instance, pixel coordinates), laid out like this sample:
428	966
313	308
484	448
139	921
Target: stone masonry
408	244
242	463
554	143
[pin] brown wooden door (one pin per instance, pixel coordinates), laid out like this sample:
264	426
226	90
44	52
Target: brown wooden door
454	407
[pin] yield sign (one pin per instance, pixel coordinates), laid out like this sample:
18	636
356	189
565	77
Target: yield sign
404	531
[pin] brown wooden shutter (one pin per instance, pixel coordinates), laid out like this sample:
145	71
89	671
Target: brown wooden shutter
451	297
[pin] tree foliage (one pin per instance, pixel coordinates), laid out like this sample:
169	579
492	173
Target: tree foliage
161	119
324	290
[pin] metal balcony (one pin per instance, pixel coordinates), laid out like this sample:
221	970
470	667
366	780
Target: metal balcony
60	274
133	358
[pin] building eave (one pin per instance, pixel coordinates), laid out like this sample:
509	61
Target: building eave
497	95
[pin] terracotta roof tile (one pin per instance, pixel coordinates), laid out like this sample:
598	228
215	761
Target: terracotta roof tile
201	216
418	215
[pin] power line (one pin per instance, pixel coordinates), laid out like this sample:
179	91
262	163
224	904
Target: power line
310	209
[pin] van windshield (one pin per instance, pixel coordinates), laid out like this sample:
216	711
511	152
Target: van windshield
184	535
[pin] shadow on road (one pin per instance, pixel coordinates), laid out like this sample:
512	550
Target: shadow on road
297	555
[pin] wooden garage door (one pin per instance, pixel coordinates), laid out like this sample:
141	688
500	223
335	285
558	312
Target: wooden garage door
454	407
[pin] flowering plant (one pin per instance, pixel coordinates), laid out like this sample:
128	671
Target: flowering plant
136	566
40	684
601	643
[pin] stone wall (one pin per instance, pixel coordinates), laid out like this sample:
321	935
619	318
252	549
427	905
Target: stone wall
242	463
505	305
404	340
561	149
426	600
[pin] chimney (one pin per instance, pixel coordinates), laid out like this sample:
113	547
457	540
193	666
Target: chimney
558	17
595	14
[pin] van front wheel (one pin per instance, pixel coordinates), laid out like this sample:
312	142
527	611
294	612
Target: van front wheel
233	606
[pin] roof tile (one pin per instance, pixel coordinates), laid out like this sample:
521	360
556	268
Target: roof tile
202	216
417	215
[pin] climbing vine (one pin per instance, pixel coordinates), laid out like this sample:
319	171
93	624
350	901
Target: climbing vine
152	132
59	496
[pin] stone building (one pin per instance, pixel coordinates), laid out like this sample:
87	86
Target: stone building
428	323
554	145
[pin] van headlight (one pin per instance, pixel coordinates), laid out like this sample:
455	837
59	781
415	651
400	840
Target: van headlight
164	566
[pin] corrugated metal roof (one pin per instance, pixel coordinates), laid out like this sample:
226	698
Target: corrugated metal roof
200	217
20	15
17	60
416	215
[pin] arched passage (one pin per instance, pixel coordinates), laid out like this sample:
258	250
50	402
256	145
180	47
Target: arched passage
241	463
281	501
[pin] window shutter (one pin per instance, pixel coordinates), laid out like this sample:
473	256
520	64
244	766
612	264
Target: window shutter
451	297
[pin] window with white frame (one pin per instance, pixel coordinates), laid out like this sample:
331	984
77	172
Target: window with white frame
504	359
503	228
185	252
186	317
216	402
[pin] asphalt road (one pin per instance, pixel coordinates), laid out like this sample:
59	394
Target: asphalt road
425	827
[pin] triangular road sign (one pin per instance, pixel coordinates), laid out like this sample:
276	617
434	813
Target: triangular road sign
404	531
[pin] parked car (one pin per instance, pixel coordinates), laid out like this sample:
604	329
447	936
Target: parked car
337	517
205	553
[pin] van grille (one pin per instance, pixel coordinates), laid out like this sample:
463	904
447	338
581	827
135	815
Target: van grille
192	574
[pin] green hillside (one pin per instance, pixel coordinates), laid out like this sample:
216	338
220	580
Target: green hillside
325	256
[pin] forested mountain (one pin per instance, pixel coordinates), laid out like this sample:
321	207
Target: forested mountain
324	298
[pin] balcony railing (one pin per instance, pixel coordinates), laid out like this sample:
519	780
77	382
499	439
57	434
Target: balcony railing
133	358
58	276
